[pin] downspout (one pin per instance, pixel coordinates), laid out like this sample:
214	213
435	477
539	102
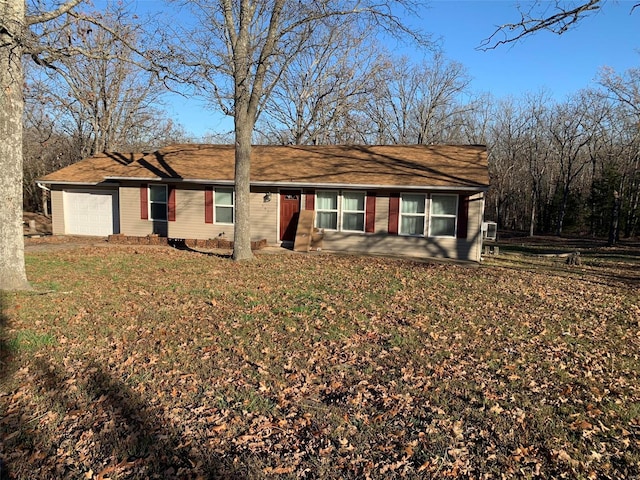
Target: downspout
45	193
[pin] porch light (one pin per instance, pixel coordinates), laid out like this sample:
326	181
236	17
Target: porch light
267	197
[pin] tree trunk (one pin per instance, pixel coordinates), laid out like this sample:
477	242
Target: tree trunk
242	230
534	204
615	217
632	210
12	269
563	210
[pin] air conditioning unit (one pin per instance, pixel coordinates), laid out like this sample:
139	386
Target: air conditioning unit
489	231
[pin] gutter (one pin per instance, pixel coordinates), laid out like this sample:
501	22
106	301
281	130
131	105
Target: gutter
327	186
356	186
42	183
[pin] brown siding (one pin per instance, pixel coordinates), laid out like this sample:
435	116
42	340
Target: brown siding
264	216
131	211
382	213
474	227
384	244
191	215
57	212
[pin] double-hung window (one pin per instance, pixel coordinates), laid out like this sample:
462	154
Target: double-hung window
353	205
158	202
412	214
327	209
224	206
344	211
444	209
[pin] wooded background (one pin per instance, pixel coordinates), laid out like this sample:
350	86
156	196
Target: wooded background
557	166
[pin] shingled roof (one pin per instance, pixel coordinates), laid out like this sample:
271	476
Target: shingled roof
452	166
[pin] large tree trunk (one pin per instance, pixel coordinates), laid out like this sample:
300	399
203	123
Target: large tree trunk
12	270
242	230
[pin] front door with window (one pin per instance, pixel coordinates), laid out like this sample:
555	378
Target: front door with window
289	212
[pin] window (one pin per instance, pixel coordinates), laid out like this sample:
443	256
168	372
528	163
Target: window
224	205
158	202
344	211
444	209
412	214
327	210
353	211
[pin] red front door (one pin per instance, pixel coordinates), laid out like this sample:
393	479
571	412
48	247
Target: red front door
289	211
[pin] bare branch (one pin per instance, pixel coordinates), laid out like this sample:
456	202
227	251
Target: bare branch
47	16
557	23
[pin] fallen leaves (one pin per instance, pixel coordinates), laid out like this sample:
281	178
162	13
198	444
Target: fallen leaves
181	365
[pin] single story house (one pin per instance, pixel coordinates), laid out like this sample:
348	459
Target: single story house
414	200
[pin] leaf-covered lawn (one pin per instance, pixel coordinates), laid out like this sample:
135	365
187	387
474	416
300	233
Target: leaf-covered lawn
158	363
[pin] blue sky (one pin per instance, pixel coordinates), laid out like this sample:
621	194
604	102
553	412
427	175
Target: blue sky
561	65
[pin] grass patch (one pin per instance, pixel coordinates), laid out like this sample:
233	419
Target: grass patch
174	364
28	340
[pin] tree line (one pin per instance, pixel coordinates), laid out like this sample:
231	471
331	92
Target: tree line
556	166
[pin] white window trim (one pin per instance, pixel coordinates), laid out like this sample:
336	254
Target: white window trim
232	206
328	210
423	215
149	202
339	211
343	211
454	216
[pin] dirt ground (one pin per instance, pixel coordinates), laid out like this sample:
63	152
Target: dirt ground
577	242
41	224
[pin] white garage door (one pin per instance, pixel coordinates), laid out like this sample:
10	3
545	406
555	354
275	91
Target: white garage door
89	212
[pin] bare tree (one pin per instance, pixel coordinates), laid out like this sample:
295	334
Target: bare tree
506	168
103	96
320	87
571	131
418	103
440	85
43	35
536	149
624	90
242	49
44	150
16	39
393	102
474	120
62	125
